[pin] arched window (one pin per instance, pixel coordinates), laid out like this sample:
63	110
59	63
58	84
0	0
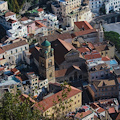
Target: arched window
50	63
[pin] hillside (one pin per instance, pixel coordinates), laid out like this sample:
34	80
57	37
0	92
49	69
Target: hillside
16	5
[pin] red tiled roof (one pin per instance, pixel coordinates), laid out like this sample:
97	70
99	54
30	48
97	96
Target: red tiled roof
14	70
118	79
55	36
9	13
1	50
61	48
24	96
118	117
1	68
111	110
19	78
106	58
85	107
24	19
39	24
48	102
14	45
60	73
83	24
63	72
94	105
83	50
90	45
92	56
83	114
100	110
80	33
40	10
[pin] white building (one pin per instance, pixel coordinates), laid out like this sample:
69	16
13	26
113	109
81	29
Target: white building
50	20
13	52
69	11
12	25
110	5
95	5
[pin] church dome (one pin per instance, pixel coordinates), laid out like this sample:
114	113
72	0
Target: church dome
46	43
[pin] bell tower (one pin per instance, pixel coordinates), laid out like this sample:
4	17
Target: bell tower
46	62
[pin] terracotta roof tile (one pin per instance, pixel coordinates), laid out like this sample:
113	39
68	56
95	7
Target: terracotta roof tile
24	96
111	110
106	58
90	45
53	37
24	19
83	114
48	102
118	79
80	33
83	50
1	50
101	48
61	48
101	83
92	56
94	105
39	24
60	73
14	45
100	110
63	72
9	13
40	10
83	24
118	117
1	68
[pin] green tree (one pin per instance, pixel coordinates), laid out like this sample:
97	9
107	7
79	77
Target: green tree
113	37
13	109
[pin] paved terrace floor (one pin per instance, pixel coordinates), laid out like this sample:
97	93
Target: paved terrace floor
112	27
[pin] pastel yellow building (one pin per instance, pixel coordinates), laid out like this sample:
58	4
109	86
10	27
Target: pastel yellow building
106	49
50	105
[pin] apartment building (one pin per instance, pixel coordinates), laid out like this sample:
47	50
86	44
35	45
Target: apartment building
110	5
84	113
101	89
13	51
83	14
95	5
100	71
69	12
12	26
105	49
75	96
